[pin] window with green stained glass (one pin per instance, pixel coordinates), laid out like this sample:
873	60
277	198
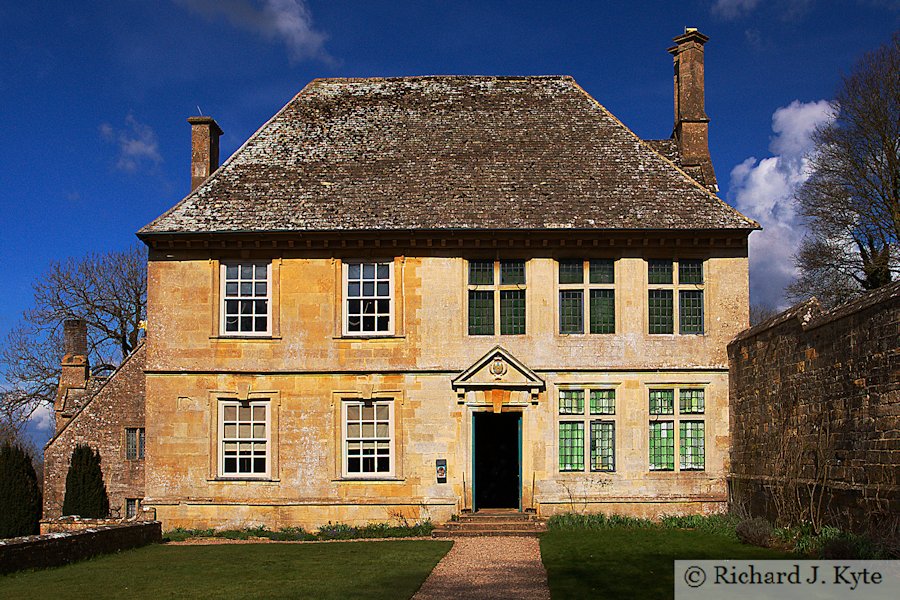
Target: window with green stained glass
603	402
669	296
599	454
691	401
571	446
662	402
603	446
571	402
591	281
497	294
692	452
662	446
661	319
688	423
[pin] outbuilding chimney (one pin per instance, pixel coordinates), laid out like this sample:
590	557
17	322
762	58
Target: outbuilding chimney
73	375
205	134
691	123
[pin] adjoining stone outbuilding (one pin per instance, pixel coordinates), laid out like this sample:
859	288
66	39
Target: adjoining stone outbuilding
103	409
416	296
815	414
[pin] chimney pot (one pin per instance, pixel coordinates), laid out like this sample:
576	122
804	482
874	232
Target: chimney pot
205	134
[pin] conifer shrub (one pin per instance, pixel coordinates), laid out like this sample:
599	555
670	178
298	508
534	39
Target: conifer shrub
20	495
85	490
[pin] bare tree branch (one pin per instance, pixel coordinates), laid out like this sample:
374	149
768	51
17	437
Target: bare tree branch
851	199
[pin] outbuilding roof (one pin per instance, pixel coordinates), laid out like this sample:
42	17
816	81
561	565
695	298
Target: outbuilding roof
446	153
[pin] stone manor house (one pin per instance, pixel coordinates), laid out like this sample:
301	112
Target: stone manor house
421	295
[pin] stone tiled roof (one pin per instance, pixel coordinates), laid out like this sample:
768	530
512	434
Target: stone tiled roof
446	153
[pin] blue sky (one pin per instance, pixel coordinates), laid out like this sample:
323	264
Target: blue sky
94	95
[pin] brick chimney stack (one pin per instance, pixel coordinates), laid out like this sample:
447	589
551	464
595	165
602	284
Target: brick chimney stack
691	123
75	370
205	134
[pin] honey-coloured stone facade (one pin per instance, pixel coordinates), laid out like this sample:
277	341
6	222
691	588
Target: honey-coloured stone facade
307	367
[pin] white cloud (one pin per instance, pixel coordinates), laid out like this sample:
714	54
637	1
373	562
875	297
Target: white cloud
764	190
289	21
732	9
42	419
137	143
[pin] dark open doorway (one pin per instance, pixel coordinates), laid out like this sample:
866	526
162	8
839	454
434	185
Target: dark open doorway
497	439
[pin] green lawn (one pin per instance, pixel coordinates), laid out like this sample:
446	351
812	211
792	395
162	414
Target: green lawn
628	563
393	569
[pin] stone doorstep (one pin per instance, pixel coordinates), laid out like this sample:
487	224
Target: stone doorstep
492	523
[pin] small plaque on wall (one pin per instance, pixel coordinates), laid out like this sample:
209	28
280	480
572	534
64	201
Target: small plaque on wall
440	468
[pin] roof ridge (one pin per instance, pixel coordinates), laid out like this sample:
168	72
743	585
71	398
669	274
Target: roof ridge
443	77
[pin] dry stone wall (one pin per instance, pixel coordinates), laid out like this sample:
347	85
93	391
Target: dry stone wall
815	413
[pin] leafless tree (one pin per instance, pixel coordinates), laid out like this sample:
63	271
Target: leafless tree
851	200
761	312
108	291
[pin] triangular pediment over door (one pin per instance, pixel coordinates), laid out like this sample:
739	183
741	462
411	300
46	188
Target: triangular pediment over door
498	374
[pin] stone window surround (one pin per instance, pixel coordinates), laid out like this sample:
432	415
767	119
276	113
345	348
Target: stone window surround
585	287
586	418
223	297
344	297
392	453
496	288
217	283
675	286
676	418
252	405
243	394
368	393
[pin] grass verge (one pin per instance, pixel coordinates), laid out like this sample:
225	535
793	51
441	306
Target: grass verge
632	561
365	570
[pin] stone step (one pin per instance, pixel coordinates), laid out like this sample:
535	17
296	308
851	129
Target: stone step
485	526
442	533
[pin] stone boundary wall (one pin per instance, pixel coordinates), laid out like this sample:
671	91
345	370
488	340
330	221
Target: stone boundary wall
56	549
815	414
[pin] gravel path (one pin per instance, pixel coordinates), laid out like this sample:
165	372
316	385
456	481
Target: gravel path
489	568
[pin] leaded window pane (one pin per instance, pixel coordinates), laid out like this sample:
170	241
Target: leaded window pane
660	311
659	271
481	272
571	402
691	402
602	271
571	311
512	312
571	446
571	271
692	450
481	312
603	446
603	311
603	402
690	271
512	272
245	298
690	308
662	402
662	446
131	444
